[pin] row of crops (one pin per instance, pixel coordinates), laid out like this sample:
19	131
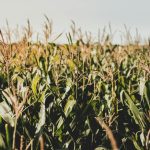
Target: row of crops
75	96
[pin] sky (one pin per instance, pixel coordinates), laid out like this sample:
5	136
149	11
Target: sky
90	15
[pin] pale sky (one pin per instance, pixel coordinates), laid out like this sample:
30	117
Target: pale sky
90	15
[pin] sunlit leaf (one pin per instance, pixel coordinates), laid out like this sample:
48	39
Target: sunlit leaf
69	105
6	113
42	118
35	82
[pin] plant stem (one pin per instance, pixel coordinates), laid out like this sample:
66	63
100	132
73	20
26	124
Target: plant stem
14	134
7	136
108	132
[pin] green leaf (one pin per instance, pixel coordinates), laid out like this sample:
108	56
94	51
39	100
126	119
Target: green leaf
137	115
69	105
71	65
68	87
9	96
142	138
141	86
42	118
2	143
43	95
147	93
137	146
6	113
7	136
60	122
35	82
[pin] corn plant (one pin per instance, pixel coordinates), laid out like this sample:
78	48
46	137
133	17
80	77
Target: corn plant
80	95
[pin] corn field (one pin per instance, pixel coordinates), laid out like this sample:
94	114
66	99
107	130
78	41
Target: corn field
83	95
